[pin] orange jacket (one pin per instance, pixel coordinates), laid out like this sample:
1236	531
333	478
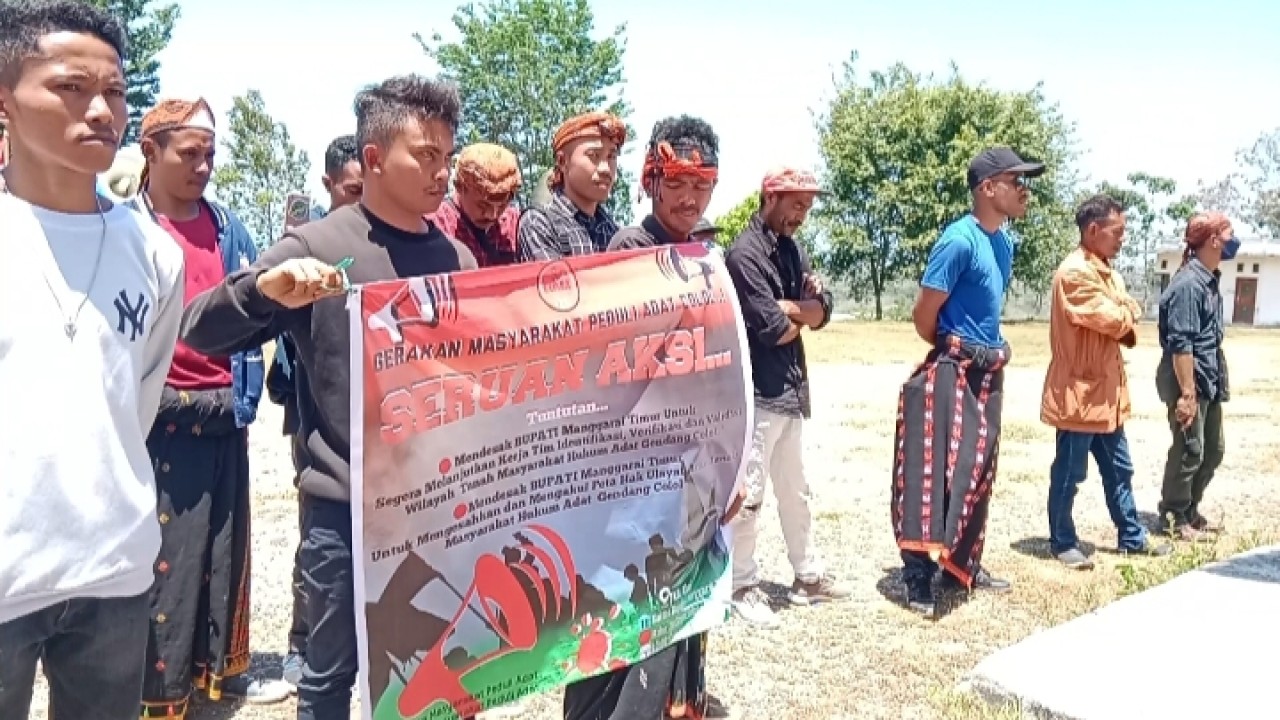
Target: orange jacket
1085	387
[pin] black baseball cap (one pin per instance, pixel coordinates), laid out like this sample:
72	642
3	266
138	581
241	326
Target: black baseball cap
998	160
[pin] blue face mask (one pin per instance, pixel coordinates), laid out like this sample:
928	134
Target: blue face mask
1230	248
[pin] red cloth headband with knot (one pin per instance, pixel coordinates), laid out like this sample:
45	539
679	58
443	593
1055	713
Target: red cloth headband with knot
662	161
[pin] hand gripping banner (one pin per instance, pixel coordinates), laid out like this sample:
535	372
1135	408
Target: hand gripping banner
542	455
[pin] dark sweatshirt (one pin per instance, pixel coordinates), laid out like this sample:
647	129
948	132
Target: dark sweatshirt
235	316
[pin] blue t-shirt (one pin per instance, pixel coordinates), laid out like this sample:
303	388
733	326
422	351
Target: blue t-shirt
973	267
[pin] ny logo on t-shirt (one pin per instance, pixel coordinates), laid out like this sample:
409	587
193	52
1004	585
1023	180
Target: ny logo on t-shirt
131	317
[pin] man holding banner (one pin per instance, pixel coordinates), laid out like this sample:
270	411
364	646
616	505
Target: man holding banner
779	295
405	130
343	179
681	168
542	460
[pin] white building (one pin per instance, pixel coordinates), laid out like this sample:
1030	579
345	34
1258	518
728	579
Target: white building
1250	283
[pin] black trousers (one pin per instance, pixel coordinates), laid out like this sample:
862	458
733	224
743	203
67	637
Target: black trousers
200	600
673	679
91	652
298	628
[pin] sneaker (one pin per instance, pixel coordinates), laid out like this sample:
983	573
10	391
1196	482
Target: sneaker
1075	560
920	598
752	605
982	580
824	589
291	670
256	692
1149	548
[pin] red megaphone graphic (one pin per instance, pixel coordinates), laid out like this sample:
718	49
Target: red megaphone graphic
499	592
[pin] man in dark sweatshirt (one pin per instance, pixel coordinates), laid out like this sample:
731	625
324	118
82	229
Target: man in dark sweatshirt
405	129
343	179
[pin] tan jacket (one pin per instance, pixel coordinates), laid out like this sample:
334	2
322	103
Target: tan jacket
1085	387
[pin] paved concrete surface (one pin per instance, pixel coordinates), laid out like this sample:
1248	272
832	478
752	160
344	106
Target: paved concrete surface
1199	646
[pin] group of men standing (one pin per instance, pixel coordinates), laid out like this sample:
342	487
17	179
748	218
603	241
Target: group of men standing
291	293
947	440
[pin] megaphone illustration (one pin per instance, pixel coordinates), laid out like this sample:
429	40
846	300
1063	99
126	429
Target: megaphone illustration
507	609
673	264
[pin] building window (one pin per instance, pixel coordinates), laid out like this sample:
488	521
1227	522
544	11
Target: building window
1255	267
1164	264
1164	281
1239	267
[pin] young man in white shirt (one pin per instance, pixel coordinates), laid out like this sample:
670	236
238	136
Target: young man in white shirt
92	293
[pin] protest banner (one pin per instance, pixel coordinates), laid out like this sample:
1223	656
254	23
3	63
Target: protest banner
542	455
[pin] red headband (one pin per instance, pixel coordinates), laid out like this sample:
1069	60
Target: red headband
662	161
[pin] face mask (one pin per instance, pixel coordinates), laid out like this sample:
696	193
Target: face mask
1230	248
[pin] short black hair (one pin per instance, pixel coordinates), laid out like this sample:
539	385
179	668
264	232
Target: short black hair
381	109
685	133
1096	210
340	152
24	22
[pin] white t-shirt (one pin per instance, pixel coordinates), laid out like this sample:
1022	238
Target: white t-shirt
77	493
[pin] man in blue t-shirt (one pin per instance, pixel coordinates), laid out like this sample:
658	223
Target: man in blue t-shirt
949	426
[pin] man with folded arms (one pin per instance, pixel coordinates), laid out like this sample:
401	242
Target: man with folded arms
1086	390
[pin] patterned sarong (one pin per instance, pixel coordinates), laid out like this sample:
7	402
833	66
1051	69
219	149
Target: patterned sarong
945	451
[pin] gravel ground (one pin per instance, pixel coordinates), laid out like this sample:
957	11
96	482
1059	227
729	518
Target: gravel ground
866	658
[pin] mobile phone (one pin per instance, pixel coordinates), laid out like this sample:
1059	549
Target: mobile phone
1190	441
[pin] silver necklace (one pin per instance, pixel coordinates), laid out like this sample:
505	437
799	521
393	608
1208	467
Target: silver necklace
72	322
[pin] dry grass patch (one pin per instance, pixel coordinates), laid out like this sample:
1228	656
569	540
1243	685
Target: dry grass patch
867	658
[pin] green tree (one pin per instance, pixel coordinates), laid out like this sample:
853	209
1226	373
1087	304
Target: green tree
526	66
735	219
259	167
149	28
1262	167
1182	210
896	146
1147	204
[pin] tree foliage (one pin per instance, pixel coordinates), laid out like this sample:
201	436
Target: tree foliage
1252	192
896	147
526	66
1262	176
259	167
735	219
149	28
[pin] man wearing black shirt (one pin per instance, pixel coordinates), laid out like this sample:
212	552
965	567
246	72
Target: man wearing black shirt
1192	376
405	130
779	295
343	179
681	169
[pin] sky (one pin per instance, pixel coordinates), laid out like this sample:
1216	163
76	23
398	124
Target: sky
1169	88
